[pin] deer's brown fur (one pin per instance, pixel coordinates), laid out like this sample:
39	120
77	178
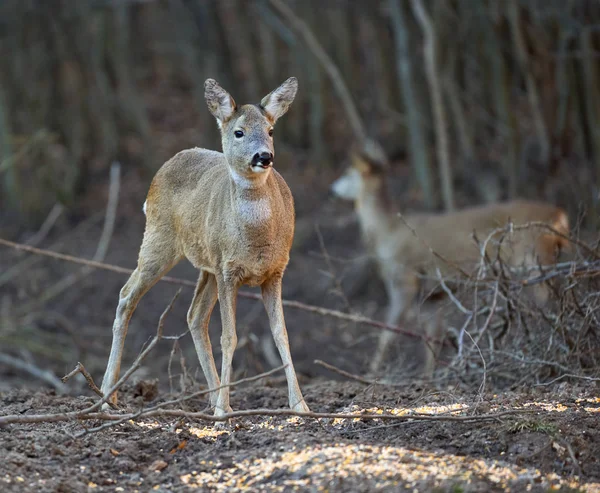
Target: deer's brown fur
232	216
402	245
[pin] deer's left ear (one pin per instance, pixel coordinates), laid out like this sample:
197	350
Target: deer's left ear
277	102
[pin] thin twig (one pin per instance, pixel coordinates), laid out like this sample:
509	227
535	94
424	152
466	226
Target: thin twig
567	375
244	294
138	361
338	285
81	369
101	249
345	373
47	225
30	261
299	27
180	400
83	416
200	393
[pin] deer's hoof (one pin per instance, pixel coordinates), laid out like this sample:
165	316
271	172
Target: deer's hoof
301	407
111	402
219	411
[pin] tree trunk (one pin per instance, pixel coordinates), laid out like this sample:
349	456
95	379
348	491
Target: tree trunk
416	134
439	111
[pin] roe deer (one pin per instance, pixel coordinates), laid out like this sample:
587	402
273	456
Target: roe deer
404	259
232	215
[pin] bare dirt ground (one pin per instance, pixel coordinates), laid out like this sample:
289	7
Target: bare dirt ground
556	448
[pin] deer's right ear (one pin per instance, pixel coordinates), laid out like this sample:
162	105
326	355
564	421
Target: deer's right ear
277	102
219	101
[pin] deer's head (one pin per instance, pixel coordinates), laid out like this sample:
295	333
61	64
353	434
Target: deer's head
247	131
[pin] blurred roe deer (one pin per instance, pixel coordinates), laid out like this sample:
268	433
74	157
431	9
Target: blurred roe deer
232	215
402	252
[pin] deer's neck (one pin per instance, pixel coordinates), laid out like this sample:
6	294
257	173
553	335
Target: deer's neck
251	199
375	214
254	182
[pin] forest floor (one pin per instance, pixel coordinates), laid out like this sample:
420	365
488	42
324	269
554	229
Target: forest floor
556	447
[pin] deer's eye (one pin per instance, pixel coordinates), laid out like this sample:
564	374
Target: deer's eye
271	132
238	134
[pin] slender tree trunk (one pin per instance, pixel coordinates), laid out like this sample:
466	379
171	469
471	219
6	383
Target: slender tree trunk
502	106
532	90
439	112
416	134
591	82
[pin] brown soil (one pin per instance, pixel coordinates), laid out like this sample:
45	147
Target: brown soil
556	448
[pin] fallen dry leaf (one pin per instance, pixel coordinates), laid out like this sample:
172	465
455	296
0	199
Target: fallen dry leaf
180	445
158	465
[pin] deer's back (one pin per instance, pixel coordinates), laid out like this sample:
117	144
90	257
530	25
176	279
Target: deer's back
450	235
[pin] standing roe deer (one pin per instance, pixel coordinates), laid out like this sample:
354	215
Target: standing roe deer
403	256
232	215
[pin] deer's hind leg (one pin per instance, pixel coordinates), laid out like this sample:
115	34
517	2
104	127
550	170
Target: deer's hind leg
205	298
401	292
156	258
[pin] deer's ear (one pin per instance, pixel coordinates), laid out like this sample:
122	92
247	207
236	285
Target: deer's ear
219	101
277	102
360	164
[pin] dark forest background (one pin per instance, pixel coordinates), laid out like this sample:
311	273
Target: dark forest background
84	83
473	101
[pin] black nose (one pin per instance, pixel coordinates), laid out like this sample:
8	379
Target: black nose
264	158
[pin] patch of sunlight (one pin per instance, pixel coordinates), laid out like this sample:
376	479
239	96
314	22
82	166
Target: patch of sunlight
401	411
442	409
384	465
590	400
207	432
592	409
145	424
544	405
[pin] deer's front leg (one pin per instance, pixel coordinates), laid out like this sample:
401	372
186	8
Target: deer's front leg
227	302
271	293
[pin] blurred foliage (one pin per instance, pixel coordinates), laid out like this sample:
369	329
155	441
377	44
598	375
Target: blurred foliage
85	82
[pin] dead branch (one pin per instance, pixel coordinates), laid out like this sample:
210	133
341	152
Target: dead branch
200	393
91	410
344	373
179	400
338	285
81	369
138	361
29	262
101	250
44	375
77	415
82	416
326	312
368	146
47	225
298	26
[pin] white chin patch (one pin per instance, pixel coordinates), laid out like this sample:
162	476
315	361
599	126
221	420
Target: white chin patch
260	169
144	208
347	186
